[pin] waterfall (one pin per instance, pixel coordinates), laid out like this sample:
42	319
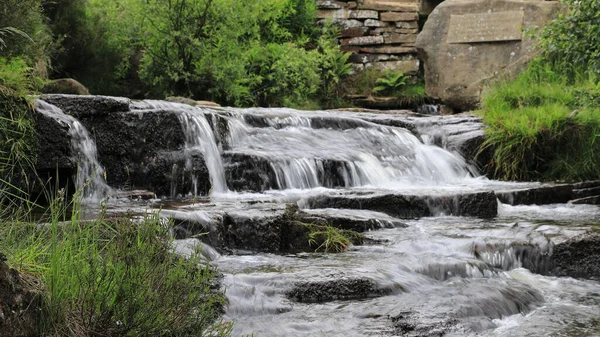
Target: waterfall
199	139
303	154
90	174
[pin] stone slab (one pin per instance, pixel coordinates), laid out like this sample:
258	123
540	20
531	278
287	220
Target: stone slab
399	16
391	5
486	27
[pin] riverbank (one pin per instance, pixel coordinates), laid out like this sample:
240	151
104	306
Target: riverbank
543	126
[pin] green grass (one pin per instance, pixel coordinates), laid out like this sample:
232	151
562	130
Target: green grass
113	277
530	132
328	239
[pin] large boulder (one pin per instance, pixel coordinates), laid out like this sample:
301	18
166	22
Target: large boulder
466	43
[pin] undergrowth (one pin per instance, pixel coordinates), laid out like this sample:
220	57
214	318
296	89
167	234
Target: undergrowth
544	125
113	277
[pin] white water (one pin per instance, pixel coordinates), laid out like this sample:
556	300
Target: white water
368	155
199	138
90	178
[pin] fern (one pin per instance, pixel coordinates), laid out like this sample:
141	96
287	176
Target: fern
5	31
391	82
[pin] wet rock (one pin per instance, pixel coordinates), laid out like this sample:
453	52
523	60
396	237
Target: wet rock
336	289
20	300
594	200
578	257
515	255
586	192
360	221
54	165
474	304
254	231
65	86
543	195
138	149
259	172
136	195
481	204
79	106
245	172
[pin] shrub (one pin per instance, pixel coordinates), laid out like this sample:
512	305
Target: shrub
17	134
571	42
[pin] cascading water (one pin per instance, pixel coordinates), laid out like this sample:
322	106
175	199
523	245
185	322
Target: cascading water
303	156
199	138
90	174
437	275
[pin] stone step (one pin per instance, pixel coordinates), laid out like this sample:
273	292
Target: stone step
544	195
268	227
587	184
593	200
586	192
482	204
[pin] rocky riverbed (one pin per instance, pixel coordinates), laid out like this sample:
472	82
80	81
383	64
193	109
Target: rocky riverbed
447	251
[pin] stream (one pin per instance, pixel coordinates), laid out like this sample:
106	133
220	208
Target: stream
449	252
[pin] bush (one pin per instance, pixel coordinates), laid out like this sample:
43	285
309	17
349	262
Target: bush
571	42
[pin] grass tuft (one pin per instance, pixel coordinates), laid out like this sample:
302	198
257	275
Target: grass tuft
543	126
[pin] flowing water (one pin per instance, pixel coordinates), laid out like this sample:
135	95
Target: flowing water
90	179
434	276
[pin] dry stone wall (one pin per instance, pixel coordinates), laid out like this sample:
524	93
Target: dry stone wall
379	33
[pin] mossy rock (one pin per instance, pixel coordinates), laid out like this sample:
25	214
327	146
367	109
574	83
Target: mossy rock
67	86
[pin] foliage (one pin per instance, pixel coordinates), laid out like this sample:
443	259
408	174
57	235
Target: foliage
17	134
93	44
571	42
543	125
390	83
24	31
7	31
113	277
334	67
283	75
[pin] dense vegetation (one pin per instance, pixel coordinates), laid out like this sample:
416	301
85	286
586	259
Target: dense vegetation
243	53
545	123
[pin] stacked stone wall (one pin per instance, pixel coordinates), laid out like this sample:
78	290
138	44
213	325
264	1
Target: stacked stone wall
379	33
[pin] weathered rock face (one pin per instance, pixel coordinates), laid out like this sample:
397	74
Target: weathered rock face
141	149
466	43
19	303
